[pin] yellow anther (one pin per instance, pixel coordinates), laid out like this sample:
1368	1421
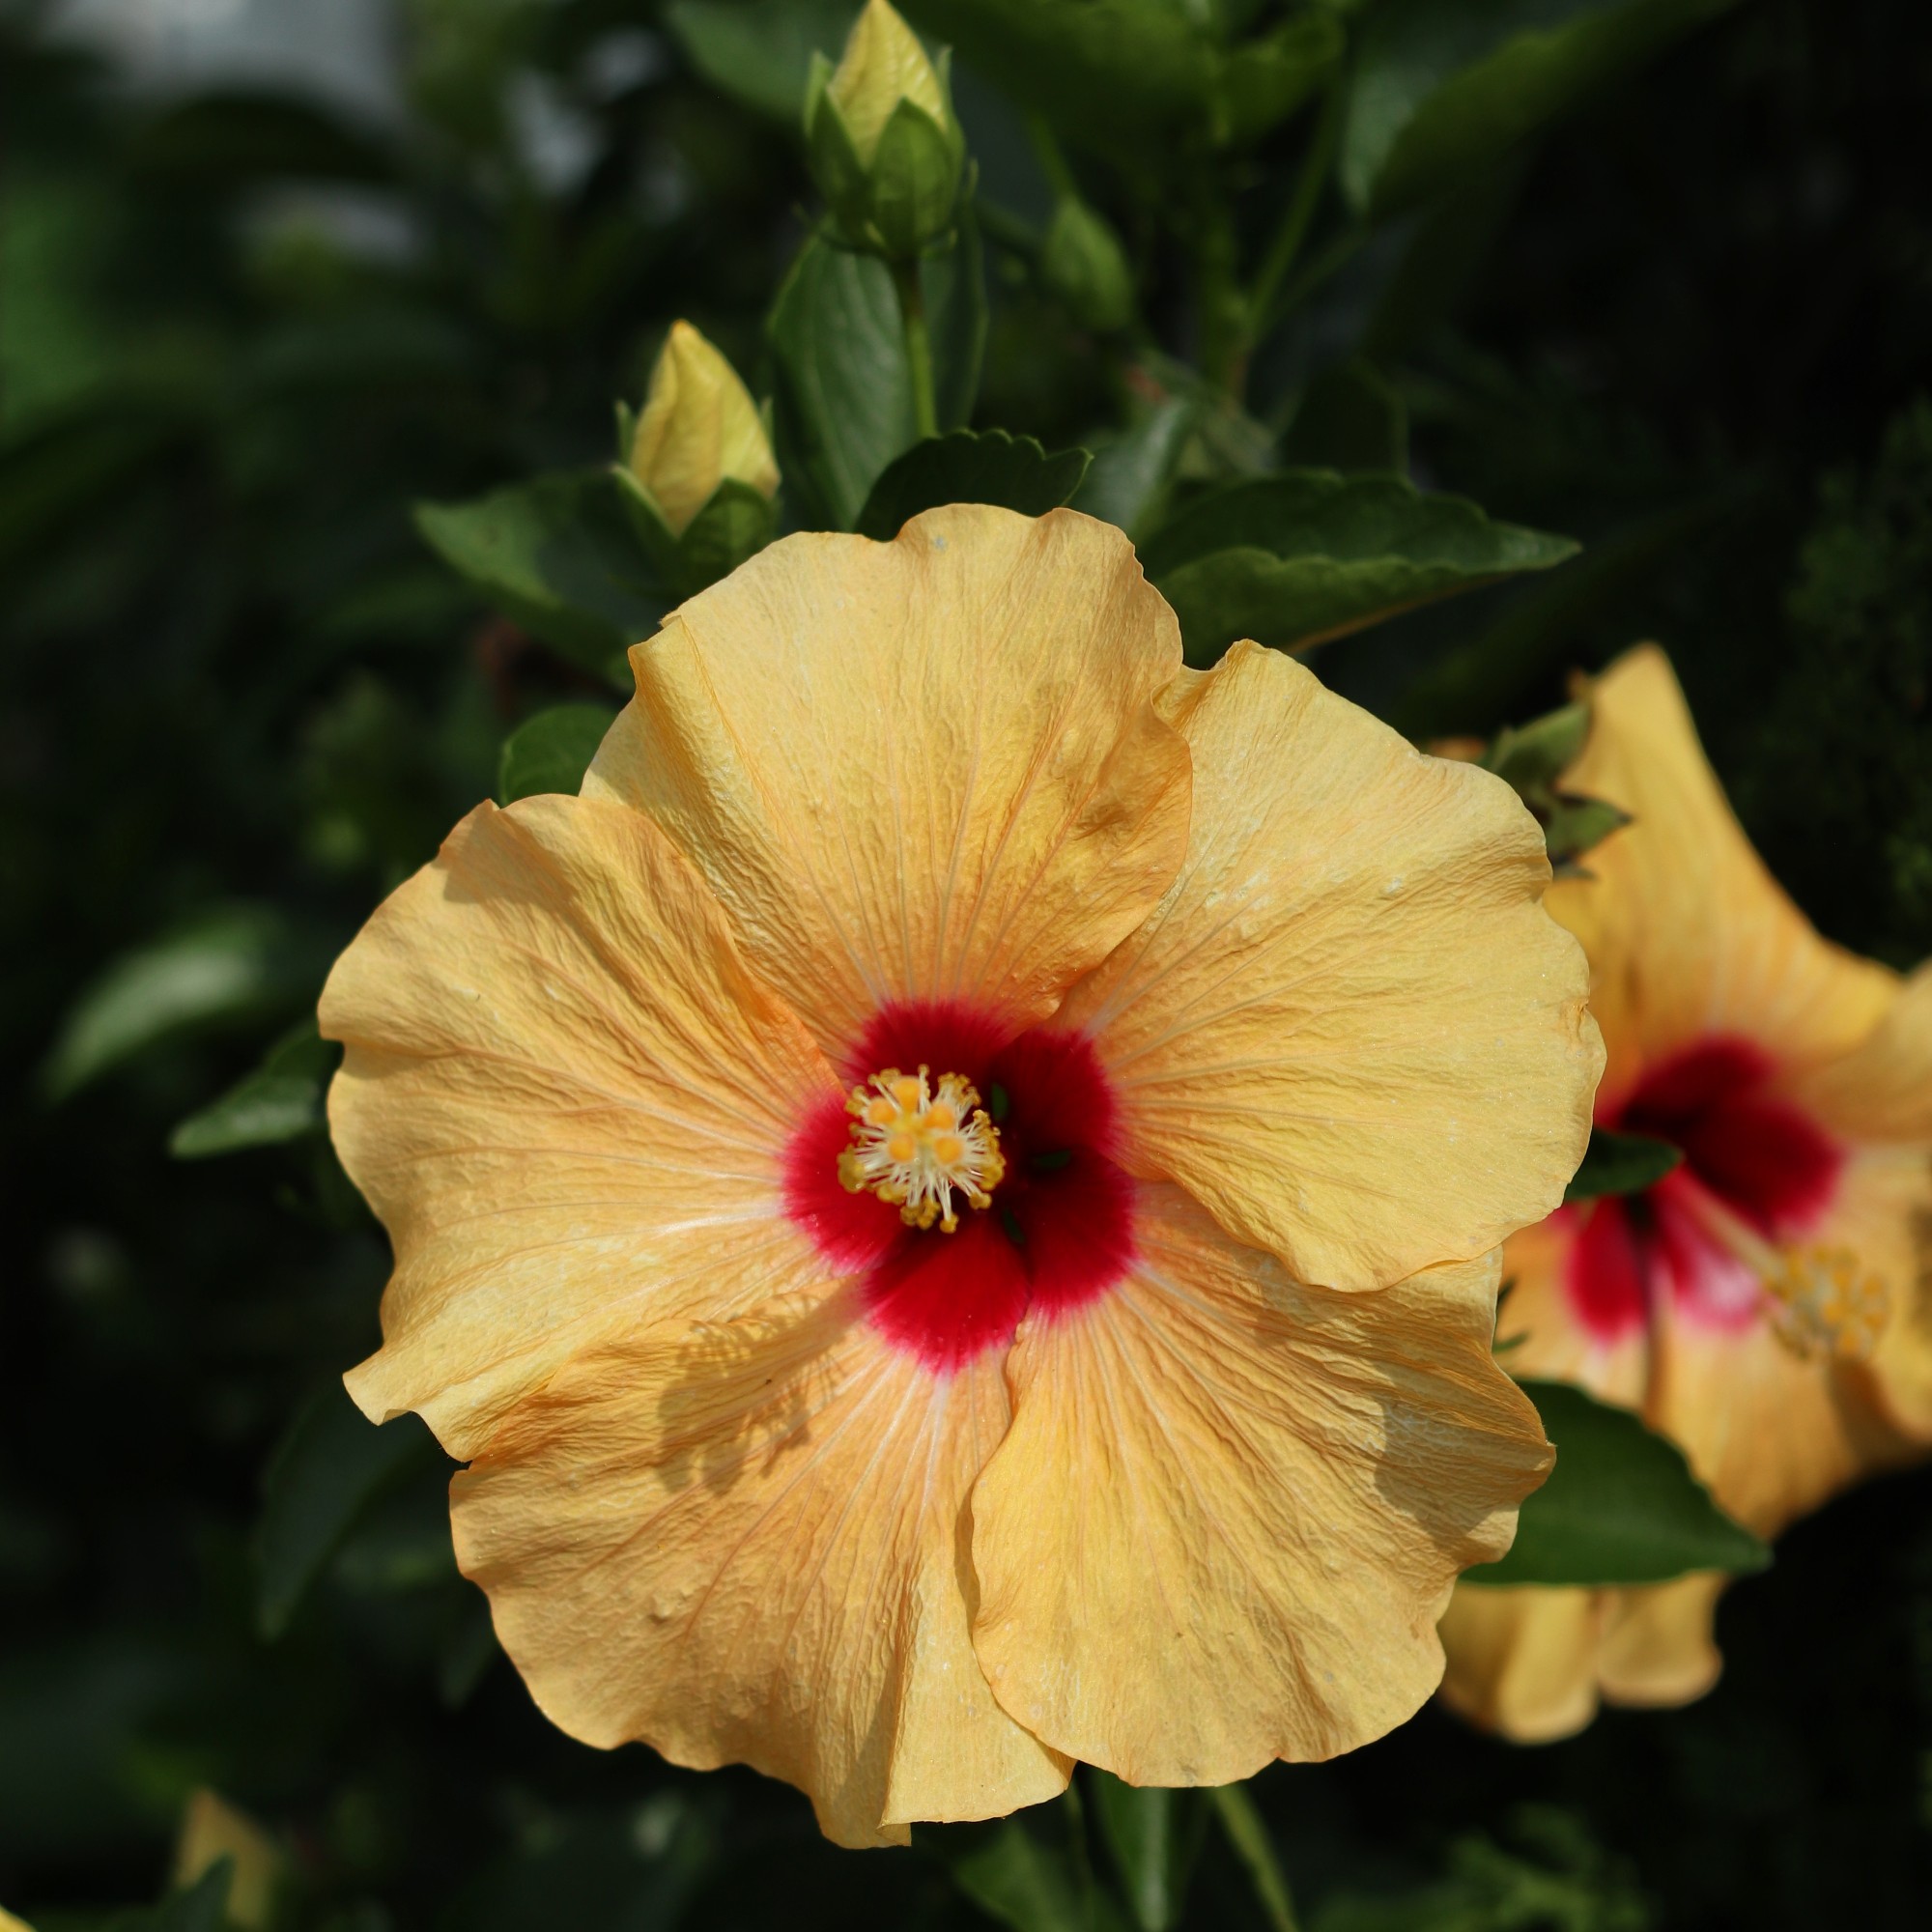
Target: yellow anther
916	1144
1826	1303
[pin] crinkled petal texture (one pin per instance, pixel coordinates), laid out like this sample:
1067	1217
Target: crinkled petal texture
930	769
568	1102
1349	1029
724	1495
1229	1508
746	1543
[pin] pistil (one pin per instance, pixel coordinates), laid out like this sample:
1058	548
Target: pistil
918	1143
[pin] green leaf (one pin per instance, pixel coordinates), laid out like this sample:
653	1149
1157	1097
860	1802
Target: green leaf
1118	74
1127	480
968	467
281	1100
1440	91
1264	82
237	962
330	1466
1145	1833
1112	73
1022	1882
558	555
1295	559
1351	418
202	1907
1531	757
760	52
843	396
1254	1846
1620	1507
1621	1164
551	751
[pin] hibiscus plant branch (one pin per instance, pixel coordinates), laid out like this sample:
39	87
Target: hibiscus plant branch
1252	1845
918	344
1286	245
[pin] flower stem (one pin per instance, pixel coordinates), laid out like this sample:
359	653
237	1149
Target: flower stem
1301	211
919	346
1252	1845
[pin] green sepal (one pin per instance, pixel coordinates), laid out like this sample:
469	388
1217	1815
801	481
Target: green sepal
833	158
647	521
627	428
1531	757
914	181
735	524
1574	826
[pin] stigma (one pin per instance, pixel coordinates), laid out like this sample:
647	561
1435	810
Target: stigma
918	1143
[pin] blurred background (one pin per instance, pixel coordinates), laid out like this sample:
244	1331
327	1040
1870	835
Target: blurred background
272	271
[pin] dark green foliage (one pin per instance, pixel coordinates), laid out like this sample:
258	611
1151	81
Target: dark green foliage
1296	560
1620	1507
1615	1163
1846	752
989	467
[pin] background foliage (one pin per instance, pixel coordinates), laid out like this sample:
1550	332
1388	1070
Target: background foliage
1673	298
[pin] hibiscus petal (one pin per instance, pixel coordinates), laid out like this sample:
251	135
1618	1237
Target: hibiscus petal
1229	1508
1523	1662
923	770
1657	1649
1688	935
568	1101
747	1543
1349	1029
1882	1214
1769	1433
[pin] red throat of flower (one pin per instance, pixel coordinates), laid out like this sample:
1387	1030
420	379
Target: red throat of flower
1040	1213
1755	1172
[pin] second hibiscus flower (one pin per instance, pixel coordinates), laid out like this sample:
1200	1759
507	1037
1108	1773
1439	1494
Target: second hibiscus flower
950	1199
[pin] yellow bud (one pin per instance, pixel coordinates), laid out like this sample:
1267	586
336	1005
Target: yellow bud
213	1830
883	65
9	1923
699	426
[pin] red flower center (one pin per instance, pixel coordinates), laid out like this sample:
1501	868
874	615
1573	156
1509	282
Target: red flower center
1059	1228
1761	1160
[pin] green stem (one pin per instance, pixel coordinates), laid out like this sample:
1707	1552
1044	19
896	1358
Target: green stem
1300	213
1052	161
1252	1845
918	347
1223	313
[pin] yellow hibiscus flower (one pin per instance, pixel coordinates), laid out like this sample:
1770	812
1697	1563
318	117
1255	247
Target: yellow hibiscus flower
950	1199
1767	1303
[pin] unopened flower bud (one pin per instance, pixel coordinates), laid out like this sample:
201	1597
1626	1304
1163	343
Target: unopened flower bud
700	428
883	140
883	65
1085	265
